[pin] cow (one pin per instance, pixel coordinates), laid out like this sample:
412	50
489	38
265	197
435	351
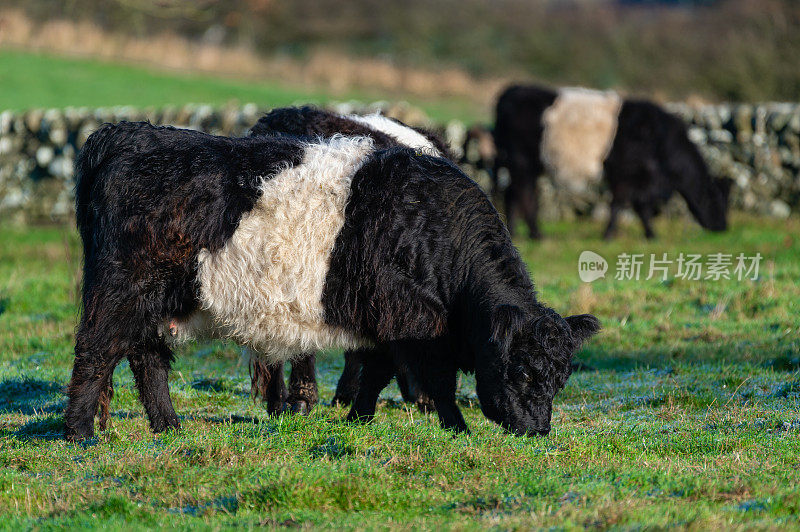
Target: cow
294	245
310	121
581	137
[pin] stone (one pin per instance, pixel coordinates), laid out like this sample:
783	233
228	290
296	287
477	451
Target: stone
6	122
720	136
44	155
698	135
779	209
743	122
58	134
778	120
33	120
794	121
6	145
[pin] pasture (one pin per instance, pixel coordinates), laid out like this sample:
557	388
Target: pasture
686	412
35	80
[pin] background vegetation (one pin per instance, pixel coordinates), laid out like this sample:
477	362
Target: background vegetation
726	49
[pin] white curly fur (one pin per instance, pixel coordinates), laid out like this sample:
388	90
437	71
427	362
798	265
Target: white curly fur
264	287
579	129
402	134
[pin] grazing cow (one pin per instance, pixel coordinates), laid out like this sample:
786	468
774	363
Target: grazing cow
580	137
479	151
292	246
386	132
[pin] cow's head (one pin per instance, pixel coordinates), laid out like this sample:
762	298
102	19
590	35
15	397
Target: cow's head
708	202
527	362
706	197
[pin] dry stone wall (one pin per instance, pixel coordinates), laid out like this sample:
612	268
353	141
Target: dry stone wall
756	145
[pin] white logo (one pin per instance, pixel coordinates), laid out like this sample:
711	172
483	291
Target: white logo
591	266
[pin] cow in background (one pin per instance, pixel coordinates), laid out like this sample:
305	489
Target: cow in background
581	137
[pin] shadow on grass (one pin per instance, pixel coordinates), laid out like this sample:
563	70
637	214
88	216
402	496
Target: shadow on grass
51	427
228	505
216	385
46	429
779	354
28	396
210	385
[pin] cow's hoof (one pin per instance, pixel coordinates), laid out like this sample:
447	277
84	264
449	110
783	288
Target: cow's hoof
355	417
298	407
171	425
78	434
276	408
341	400
425	404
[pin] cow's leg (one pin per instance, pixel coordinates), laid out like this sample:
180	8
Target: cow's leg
104	408
411	390
510	204
276	391
529	202
100	343
450	416
89	377
151	365
645	212
438	377
266	382
347	388
376	372
303	392
613	218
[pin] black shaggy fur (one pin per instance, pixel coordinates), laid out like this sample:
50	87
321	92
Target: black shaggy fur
442	290
148	200
311	121
650	158
423	268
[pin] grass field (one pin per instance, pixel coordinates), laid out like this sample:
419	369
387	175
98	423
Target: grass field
687	414
30	80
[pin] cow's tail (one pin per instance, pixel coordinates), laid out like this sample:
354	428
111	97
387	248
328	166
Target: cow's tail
93	155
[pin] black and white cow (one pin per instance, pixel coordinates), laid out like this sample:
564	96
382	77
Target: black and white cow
308	121
293	246
580	137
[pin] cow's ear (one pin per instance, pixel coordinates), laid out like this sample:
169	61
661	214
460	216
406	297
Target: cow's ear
553	334
583	327
506	320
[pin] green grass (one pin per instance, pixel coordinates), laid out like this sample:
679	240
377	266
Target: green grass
31	80
688	416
